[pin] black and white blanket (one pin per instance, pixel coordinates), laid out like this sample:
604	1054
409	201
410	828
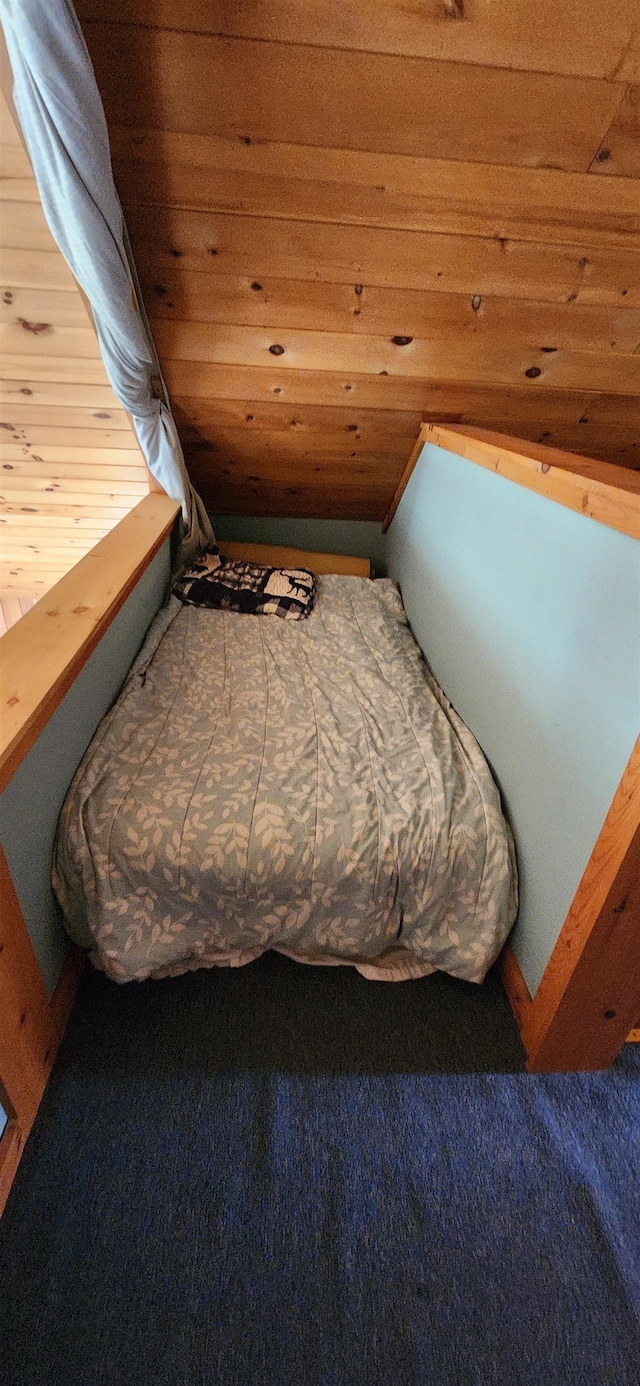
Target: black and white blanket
254	590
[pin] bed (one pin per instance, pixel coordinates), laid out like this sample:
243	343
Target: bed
303	786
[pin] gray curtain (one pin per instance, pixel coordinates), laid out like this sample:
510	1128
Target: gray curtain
64	127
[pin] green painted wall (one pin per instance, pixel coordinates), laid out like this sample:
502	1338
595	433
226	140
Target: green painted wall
31	803
360	538
529	616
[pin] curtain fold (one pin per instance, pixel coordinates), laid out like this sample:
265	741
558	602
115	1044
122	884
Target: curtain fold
64	127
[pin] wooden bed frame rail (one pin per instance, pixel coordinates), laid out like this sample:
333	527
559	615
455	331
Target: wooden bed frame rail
588	1000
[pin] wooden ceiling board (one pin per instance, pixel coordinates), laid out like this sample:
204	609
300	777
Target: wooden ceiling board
377	189
372	310
349	99
472	360
219	243
208	383
35	269
65	478
32	306
42	393
577	37
619	153
350	217
23	227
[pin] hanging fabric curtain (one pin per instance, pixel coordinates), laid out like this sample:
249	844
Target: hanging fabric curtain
64	127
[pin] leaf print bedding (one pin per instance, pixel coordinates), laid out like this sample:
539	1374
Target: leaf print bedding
303	786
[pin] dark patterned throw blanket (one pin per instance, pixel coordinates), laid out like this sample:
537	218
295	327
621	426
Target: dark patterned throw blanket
232	585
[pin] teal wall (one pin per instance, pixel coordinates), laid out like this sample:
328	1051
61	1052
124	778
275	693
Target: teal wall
529	616
360	538
31	803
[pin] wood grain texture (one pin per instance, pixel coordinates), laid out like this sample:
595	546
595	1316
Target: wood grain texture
362	188
279	556
31	1026
52	379
44	652
608	494
589	995
179	295
25	1031
255	246
578	37
619	152
472	359
515	986
371	172
370	101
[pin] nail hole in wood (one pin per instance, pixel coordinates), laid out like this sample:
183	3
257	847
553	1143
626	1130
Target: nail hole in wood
276	349
533	372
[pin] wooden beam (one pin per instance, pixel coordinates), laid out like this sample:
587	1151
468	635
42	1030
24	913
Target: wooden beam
46	650
404	479
589	996
515	986
31	1026
25	1029
274	555
606	493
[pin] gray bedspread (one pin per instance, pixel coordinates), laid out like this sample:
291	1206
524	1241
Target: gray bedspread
260	783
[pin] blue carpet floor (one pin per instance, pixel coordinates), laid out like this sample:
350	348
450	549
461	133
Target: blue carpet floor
293	1177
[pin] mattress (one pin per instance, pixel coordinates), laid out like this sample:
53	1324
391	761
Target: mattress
296	785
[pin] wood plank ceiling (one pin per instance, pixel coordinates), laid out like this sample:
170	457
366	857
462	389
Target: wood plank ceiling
352	215
70	464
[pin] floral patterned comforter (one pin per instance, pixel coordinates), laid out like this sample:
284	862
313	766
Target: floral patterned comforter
303	785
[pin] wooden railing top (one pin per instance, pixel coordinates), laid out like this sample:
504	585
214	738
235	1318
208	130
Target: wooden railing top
604	492
44	652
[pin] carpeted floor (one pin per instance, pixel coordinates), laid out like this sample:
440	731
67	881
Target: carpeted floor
288	1176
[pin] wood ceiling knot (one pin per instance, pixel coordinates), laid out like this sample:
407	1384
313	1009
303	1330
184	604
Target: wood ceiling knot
365	168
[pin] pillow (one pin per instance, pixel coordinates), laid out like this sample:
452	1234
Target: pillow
232	585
